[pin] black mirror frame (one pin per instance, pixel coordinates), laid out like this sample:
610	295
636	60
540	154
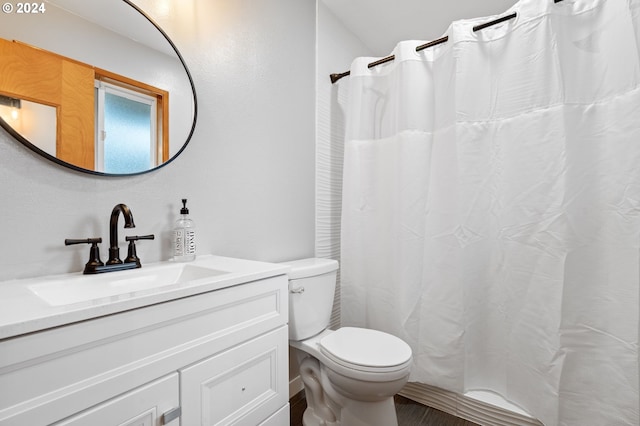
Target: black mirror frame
48	156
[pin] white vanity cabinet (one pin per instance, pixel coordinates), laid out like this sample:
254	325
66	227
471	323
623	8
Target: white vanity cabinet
216	358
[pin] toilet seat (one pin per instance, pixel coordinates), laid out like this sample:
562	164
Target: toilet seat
366	350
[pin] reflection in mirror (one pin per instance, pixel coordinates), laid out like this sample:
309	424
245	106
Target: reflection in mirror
36	122
64	69
126	137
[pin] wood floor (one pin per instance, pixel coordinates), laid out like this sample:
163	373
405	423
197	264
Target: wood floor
410	413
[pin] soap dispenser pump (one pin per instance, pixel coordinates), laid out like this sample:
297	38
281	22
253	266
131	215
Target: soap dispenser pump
184	236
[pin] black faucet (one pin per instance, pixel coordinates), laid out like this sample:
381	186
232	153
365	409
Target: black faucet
114	251
95	266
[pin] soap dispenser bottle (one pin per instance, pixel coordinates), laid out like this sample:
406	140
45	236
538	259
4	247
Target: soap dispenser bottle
184	236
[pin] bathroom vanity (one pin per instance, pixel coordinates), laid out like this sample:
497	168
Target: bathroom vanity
174	344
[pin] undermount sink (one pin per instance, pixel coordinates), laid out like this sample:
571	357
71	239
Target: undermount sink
84	288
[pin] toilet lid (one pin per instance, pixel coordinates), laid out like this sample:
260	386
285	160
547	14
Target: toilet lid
365	349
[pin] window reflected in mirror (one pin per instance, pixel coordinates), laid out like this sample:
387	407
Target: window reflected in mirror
129	128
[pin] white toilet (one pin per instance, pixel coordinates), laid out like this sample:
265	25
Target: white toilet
351	374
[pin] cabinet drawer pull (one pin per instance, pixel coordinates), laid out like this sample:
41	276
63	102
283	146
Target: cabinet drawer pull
298	290
171	415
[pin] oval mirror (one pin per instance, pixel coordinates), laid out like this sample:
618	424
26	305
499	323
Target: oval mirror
96	86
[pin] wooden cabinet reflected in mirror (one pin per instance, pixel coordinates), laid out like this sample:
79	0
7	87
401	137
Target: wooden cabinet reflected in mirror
98	87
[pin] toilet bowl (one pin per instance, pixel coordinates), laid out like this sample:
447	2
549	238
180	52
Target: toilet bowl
350	374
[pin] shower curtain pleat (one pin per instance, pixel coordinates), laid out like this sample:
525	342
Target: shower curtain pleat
491	208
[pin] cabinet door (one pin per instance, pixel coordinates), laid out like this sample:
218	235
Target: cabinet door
279	418
143	406
242	386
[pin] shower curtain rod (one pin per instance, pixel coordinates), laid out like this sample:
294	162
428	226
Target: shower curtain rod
337	76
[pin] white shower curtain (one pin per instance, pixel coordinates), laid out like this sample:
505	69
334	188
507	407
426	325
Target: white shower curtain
491	208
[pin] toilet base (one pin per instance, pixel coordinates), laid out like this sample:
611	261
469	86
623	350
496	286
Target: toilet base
381	413
357	413
327	407
309	418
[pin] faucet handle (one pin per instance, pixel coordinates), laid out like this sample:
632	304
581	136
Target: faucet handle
70	241
139	237
94	252
132	256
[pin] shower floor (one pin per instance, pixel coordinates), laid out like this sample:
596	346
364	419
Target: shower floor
410	413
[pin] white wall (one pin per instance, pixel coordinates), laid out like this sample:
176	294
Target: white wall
248	172
337	47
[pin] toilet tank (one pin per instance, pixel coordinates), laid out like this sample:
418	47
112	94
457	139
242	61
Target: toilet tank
312	283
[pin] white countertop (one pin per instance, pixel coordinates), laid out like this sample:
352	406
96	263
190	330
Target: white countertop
23	311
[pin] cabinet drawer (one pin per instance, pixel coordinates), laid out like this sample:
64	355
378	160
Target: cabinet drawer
141	407
242	386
